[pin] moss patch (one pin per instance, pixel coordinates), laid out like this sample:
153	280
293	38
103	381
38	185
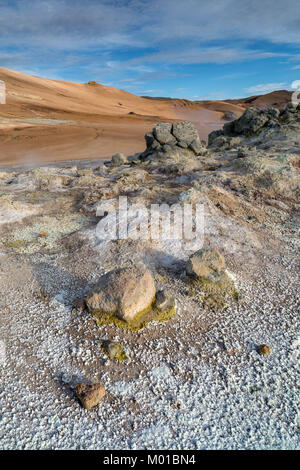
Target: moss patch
16	244
21	244
138	323
212	294
114	351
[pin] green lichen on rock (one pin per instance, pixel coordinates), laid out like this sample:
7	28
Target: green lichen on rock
25	245
20	244
207	279
16	244
213	294
165	315
236	295
127	298
138	323
114	351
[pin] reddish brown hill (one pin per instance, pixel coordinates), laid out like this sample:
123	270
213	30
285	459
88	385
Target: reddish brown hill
278	99
51	120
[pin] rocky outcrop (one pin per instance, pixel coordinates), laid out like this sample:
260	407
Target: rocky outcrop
252	123
167	142
179	138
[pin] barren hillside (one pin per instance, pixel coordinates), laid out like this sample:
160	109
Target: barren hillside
49	120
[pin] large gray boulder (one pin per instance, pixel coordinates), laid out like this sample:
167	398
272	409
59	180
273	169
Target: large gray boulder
185	131
251	121
197	146
214	135
162	133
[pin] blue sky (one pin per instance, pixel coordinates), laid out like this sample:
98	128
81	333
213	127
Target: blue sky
190	49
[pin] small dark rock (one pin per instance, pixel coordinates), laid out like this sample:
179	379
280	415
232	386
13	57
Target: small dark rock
79	305
263	350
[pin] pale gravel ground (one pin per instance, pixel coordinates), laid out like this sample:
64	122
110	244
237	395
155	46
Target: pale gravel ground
195	382
189	390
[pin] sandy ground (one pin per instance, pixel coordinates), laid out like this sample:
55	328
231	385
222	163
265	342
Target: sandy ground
48	120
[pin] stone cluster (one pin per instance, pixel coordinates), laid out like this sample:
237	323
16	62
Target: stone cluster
253	121
128	297
167	138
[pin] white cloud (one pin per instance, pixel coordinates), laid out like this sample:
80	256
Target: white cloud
208	55
97	36
266	87
73	24
150	92
218	95
295	85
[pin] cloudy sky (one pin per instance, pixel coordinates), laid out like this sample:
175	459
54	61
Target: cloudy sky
196	49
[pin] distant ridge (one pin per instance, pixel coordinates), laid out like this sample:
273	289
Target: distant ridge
276	99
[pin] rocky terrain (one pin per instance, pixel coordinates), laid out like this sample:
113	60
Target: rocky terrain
128	343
